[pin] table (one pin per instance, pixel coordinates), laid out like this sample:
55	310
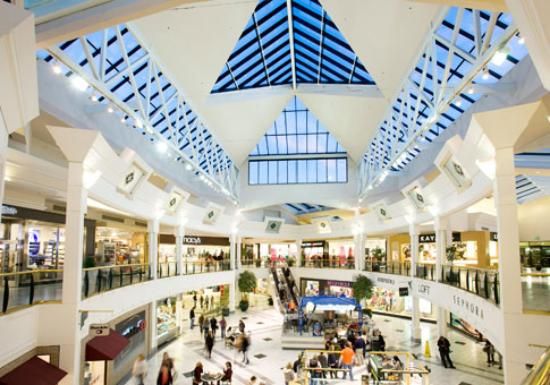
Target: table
211	378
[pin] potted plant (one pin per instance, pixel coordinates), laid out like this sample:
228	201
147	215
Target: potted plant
247	283
378	255
89	262
362	287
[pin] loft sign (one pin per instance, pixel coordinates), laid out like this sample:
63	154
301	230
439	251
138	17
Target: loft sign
470	307
424	289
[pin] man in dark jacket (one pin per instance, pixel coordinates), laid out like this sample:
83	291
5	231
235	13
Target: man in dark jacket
444	349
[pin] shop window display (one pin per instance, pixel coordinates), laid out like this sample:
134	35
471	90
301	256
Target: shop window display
388	301
167	328
119	247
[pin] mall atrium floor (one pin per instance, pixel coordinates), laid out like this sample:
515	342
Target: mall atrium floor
274	192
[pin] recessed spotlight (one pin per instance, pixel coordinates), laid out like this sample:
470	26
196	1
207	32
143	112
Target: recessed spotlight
139	123
94	98
79	83
500	57
432	119
471	91
56	68
521	40
162	147
485	75
123	119
188	167
110	109
458	103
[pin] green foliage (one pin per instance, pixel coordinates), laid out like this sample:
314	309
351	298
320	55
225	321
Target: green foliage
89	262
247	282
362	287
378	254
455	252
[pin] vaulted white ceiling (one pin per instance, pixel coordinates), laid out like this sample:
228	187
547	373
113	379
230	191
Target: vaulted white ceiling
192	43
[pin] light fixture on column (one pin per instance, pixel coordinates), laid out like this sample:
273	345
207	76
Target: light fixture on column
110	109
56	69
94	98
161	146
521	40
486	74
458	103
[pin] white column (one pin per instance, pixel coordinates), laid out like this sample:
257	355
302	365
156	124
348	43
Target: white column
179	233
233	293
415	327
69	317
359	252
3	148
299	253
153	232
153	330
509	262
442	321
234	252
441	243
179	313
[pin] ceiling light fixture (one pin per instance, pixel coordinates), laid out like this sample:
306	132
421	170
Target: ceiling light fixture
188	167
162	147
79	83
123	119
486	74
458	103
521	40
139	123
500	56
94	98
471	91
56	68
110	110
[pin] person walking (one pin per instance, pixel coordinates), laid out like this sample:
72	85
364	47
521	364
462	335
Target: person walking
212	301
201	301
165	376
192	317
194	299
253	381
227	373
205	326
209	343
288	374
315	371
223	326
245	345
346	358
201	322
242	326
323	361
139	370
444	347
168	361
489	349
213	326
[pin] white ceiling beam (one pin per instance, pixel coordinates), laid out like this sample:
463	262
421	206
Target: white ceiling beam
291	42
490	5
73	22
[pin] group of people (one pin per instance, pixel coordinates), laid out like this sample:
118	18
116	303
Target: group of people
225	376
166	374
206	302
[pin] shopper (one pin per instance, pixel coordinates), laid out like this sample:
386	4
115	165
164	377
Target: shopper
201	300
227	373
165	376
223	326
168	362
209	343
242	326
192	317
444	347
205	326
360	349
201	322
346	359
197	374
288	374
245	344
212	301
323	360
194	299
139	370
333	362
489	349
253	381
213	326
315	370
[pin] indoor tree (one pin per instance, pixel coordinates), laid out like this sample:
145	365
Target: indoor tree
247	283
362	288
454	253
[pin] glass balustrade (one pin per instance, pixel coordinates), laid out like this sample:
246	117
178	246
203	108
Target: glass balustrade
97	280
26	288
482	282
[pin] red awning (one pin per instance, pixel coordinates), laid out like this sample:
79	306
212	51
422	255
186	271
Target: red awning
105	348
34	371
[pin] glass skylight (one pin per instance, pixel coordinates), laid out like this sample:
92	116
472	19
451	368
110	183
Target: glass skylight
263	55
297	149
305	208
459	56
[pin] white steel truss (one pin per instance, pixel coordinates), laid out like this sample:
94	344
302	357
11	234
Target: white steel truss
121	73
428	100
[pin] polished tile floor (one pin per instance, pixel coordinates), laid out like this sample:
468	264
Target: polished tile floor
267	358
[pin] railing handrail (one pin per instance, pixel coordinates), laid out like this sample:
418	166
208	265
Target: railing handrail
483	269
37	271
115	266
540	373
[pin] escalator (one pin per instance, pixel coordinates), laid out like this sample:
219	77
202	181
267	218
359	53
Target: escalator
540	373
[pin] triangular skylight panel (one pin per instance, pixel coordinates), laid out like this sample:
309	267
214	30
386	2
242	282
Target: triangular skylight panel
295	132
265	54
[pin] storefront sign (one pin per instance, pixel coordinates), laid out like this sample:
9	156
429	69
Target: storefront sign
385	280
430	237
194	240
9	210
424	289
313	244
494	236
403	291
99	330
339	283
470	307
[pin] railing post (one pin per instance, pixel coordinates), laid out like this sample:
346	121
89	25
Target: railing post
110	278
98	286
496	283
467	279
131	275
121	276
86	284
6	298
31	290
486	284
